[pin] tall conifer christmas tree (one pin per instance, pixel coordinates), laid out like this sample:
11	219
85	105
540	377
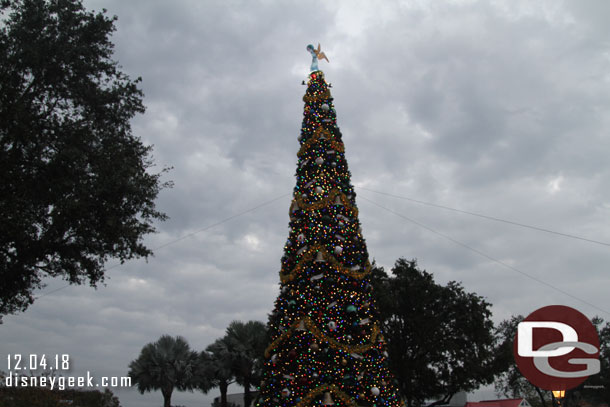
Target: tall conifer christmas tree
326	347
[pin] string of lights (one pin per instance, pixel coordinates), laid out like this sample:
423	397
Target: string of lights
493	218
480	253
172	242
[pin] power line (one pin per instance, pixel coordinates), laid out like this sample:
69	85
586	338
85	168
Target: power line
220	222
510	222
480	253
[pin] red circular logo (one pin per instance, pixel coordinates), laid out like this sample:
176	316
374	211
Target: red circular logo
556	348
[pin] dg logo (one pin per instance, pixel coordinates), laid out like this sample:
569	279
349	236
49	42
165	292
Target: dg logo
556	348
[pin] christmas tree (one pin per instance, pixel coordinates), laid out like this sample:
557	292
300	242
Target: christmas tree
326	347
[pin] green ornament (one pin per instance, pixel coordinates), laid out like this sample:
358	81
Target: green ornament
351	308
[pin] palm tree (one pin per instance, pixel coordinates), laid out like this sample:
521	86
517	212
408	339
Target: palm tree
216	362
166	365
246	344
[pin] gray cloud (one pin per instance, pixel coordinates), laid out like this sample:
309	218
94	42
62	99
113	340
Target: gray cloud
498	108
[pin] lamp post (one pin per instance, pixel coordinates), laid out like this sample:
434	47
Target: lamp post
559	394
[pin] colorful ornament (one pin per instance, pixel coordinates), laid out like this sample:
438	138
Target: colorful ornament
332	325
285	392
319	160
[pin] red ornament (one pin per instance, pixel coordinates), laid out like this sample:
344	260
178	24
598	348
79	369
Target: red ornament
292	354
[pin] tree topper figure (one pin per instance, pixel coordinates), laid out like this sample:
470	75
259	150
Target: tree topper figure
315	55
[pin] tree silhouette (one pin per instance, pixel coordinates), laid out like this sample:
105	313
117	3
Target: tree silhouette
75	184
165	365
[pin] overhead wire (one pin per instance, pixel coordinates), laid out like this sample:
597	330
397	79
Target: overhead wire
493	218
220	222
457	242
480	253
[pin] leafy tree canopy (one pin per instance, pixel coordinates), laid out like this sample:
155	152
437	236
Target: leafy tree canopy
440	338
75	189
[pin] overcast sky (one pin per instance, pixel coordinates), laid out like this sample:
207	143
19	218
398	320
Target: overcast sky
500	108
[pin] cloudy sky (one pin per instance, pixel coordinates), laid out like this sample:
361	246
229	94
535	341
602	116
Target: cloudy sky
500	108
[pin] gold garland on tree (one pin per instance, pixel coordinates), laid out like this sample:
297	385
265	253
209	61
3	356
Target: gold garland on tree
336	264
321	337
323	203
319	132
321	96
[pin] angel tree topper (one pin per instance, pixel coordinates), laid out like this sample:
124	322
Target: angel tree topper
315	55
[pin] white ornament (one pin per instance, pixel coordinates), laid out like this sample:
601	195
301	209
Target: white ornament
332	325
285	392
301	238
325	107
273	358
319	190
375	391
333	164
338	249
319	160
